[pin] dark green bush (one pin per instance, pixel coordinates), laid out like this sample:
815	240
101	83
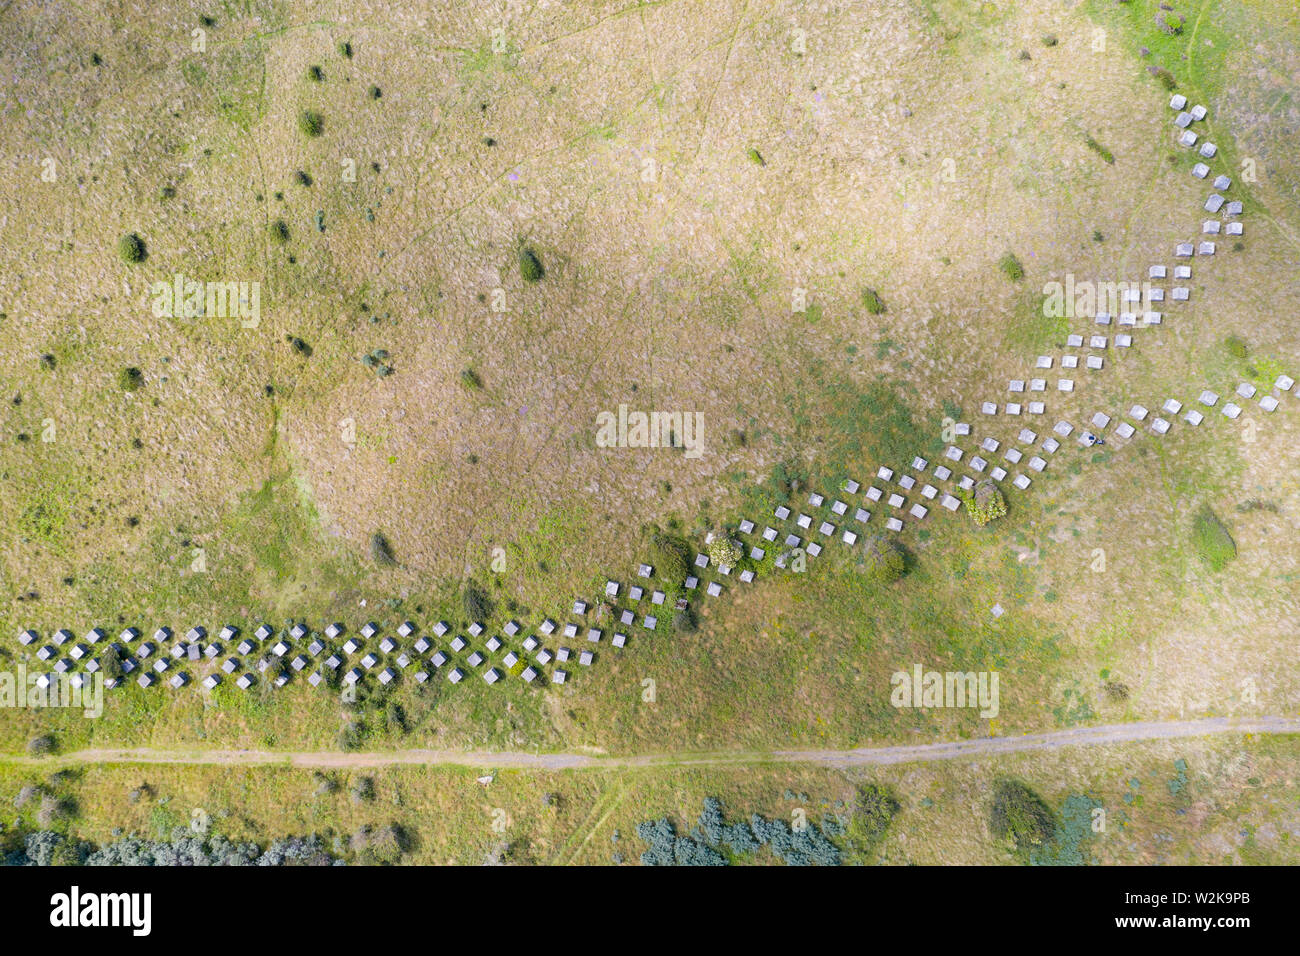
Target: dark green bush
882	560
669	556
381	550
132	248
311	123
478	606
530	267
130	379
1164	76
872	303
875	811
1020	816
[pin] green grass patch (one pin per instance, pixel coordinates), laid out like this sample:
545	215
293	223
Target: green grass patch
1212	540
1010	267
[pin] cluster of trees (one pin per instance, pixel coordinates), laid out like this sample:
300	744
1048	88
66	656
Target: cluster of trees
1037	835
714	841
50	848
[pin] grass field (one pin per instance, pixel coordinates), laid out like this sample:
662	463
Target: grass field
475	230
1232	801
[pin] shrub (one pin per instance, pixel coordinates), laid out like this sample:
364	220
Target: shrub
111	661
130	379
882	560
1164	76
345	49
363	791
875	810
280	231
1011	267
478	606
1101	151
1236	347
686	620
871	302
315	74
381	550
132	248
755	157
471	380
384	845
1169	29
40	746
311	123
530	267
1211	539
1020	816
349	737
724	551
668	556
395	718
987	503
53	809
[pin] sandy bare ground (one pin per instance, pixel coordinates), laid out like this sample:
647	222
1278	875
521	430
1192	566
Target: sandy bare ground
917	753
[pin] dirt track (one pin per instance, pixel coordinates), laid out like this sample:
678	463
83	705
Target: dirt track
910	753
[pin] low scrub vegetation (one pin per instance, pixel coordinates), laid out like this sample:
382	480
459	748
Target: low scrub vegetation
1212	541
871	301
530	266
986	503
1019	816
